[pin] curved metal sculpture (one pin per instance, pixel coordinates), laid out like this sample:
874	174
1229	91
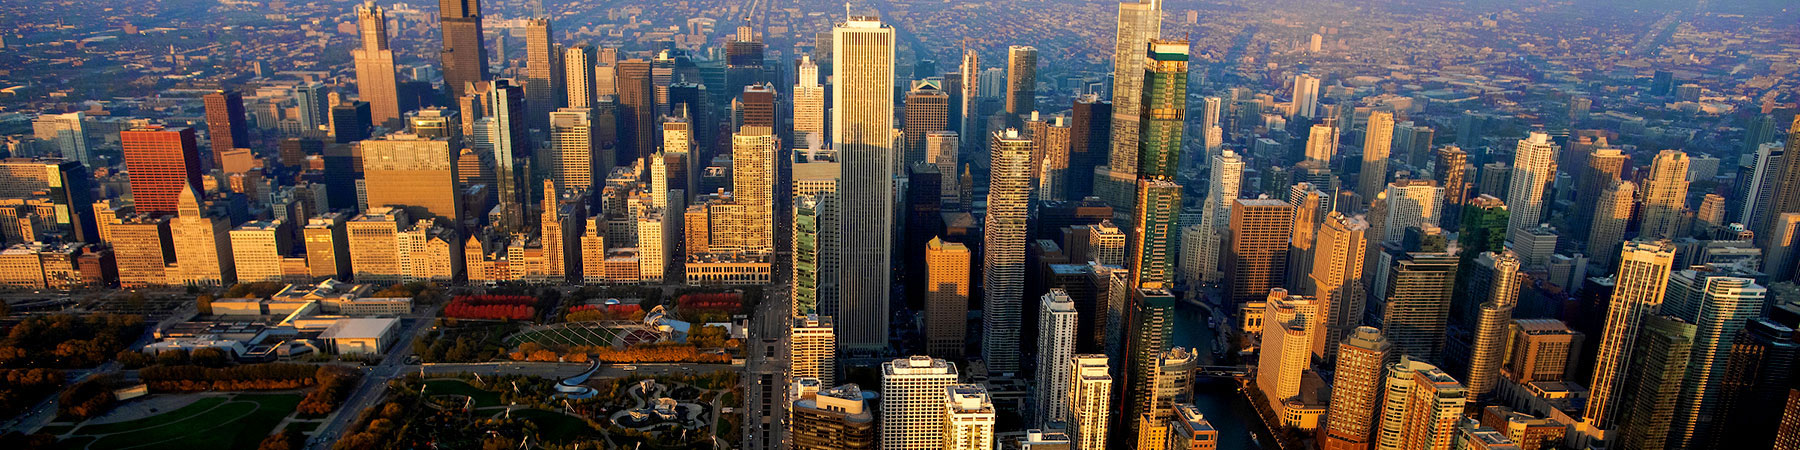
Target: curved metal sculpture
572	387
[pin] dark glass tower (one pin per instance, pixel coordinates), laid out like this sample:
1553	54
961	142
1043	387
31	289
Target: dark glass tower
464	54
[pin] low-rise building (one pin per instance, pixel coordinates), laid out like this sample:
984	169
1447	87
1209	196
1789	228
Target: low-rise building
361	336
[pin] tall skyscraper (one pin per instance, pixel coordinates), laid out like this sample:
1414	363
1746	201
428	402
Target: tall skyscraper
1321	144
812	349
1604	167
578	74
544	76
1534	169
1758	378
1172	385
862	128
1336	279
375	79
912	402
1448	172
1651	389
1259	245
1362	361
1378	138
1021	80
68	131
1415	301
465	53
927	111
1664	195
968	419
1150	332
1215	214
833	419
637	110
947	267
1164	108
1612	213
753	159
1157	232
415	173
809	107
970	102
572	144
161	162
1090	140
1719	303
1786	193
1643	276
1289	323
1306	96
1494	319
225	123
1088	389
1003	249
1420	407
1410	204
202	243
1139	23
1055	346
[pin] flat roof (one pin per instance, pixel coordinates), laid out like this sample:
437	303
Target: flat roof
358	328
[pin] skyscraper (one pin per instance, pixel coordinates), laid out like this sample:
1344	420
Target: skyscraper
1055	347
202	243
225	123
162	162
465	53
1534	168
637	110
1758	374
1415	301
1226	181
1651	388
1362	361
1149	328
1003	249
1448	172
68	131
1021	80
1420	407
862	128
912	402
809	107
1090	136
970	101
753	158
812	345
415	173
1191	431
1289	323
1321	144
1719	303
947	267
375	79
572	144
1139	23
1664	195
1410	204
927	110
968	419
1164	108
544	76
1378	138
1638	293
1306	96
1259	245
1612	213
1157	232
578	74
1787	186
1336	279
833	419
1494	319
1088	389
1604	167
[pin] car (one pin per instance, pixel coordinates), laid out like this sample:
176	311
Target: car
627	367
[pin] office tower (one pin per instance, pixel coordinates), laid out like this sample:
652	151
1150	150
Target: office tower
465	53
862	133
374	253
1711	214
544	91
832	419
415	173
1612	213
1415	301
968	419
1336	279
1152	255
1534	169
67	184
808	250
1139	23
351	122
434	123
1759	187
376	82
809	107
1226	181
637	110
815	186
970	102
312	101
142	247
1321	145
1306	96
1090	136
1173	384
225	123
1786	190
1286	351
202	243
1642	279
1605	166
927	110
812	349
257	248
572	144
1411	204
1718	303
1050	159
1664	195
756	106
327	246
1448	172
578	75
1106	244
1191	431
1150	333
1164	108
1021	80
1056	344
68	131
1378	138
1258	255
1421	407
1542	350
1494	179
1088	389
1758	377
1003	249
1500	284
1036	439
912	402
1650	394
162	162
753	158
947	267
1362	359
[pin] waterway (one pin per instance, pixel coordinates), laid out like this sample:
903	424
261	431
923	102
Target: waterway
1218	399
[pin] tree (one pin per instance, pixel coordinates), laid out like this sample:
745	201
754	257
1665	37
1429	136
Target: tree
285	440
209	357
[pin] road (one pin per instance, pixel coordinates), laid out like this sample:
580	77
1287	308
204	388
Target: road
374	382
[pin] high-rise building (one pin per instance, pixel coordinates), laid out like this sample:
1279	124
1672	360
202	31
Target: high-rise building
1157	227
808	250
1421	407
202	242
1289	323
1172	385
572	141
1362	361
912	402
67	184
1090	136
142	247
1664	195
1088	391
1306	96
257	248
832	419
1719	303
812	349
1500	284
1542	350
1139	23
327	246
862	128
1050	157
412	172
225	123
1757	379
1534	169
1226	181
373	244
1612	213
1150	329
809	107
1191	431
465	53
1643	275
637	110
753	170
544	76
1415	298
1164	108
1648	397
1786	191
968	418
1448	171
1336	279
1055	346
947	267
1411	204
969	102
1759	188
1257	262
1604	167
161	162
68	131
816	200
376	81
1003	249
578	74
1321	144
927	111
1378	138
1021	80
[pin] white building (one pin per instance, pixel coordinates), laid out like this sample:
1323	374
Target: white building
968	418
1056	344
912	402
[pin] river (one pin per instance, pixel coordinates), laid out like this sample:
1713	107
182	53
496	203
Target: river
1218	399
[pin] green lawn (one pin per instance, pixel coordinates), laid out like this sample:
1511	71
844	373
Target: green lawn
241	422
304	427
483	398
553	426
